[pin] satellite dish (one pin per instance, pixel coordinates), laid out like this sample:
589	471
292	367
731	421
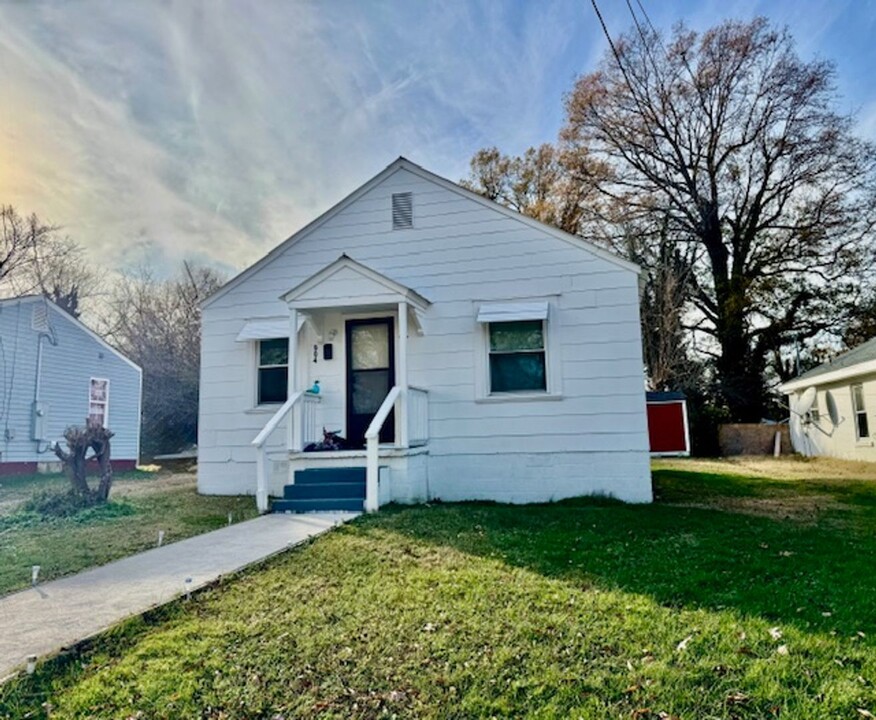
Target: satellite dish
806	400
831	408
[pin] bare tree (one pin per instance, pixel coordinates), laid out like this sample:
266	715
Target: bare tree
735	140
19	236
158	324
35	259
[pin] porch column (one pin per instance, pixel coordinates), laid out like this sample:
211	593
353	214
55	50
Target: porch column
402	410
293	424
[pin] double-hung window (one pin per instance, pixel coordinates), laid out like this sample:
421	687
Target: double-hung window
517	356
98	401
516	353
862	428
273	370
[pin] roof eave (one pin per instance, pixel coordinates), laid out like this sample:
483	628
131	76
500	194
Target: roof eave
866	367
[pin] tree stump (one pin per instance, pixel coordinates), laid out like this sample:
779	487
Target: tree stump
75	459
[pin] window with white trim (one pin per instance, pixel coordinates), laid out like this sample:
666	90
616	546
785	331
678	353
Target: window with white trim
98	401
862	428
517	356
273	371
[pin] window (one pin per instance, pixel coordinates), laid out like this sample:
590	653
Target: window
517	356
98	401
861	426
273	370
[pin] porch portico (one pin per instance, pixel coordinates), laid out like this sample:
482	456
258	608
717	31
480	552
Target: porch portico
361	324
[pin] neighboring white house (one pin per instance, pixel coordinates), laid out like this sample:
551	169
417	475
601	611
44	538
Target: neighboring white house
56	372
477	353
837	423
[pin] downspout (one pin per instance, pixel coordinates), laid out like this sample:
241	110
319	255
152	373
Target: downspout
37	411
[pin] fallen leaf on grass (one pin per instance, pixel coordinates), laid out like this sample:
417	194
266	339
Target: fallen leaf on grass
865	713
683	644
737	698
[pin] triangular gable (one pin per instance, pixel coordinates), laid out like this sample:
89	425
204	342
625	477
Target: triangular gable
64	316
404	164
347	282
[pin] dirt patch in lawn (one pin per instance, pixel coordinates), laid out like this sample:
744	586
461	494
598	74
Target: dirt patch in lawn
162	482
807	509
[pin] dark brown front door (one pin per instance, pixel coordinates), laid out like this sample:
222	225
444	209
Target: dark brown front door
370	376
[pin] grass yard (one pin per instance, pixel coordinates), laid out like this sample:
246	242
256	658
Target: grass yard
141	504
746	591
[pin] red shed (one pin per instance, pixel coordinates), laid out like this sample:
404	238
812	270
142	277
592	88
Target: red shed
667	423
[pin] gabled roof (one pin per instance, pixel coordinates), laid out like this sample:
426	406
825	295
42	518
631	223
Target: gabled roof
345	262
75	321
664	396
403	164
857	361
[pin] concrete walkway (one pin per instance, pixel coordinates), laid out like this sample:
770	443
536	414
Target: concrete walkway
57	614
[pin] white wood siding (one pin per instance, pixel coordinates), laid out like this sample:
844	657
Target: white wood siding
840	441
458	253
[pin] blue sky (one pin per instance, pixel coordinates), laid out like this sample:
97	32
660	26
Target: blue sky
157	131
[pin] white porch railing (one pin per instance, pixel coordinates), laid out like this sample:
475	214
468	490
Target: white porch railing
301	428
418	416
311	431
372	445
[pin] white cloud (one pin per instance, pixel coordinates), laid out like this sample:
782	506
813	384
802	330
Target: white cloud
155	131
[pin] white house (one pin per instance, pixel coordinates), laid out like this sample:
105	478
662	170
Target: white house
56	372
465	351
830	406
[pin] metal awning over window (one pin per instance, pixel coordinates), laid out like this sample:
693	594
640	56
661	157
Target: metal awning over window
267	328
509	312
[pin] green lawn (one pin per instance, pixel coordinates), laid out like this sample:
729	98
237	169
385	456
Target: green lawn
747	591
142	503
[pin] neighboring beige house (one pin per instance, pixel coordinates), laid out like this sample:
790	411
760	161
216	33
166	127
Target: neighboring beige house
839	422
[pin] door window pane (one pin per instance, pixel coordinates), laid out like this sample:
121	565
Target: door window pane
369	391
370	347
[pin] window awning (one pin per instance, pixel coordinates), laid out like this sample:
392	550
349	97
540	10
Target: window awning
267	328
508	312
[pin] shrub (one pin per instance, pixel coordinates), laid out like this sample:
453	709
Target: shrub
54	503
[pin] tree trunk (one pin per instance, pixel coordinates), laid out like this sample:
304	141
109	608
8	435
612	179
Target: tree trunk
102	453
79	440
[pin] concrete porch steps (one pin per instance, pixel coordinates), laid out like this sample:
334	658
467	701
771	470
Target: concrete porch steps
324	489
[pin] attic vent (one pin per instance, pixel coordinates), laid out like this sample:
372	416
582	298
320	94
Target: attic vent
402	210
39	319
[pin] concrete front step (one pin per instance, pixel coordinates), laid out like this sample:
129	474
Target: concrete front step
330	475
331	488
324	491
320	504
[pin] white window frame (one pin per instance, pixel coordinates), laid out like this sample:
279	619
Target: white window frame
105	402
860	411
553	378
257	346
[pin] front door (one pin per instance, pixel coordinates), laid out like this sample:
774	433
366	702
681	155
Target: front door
370	376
